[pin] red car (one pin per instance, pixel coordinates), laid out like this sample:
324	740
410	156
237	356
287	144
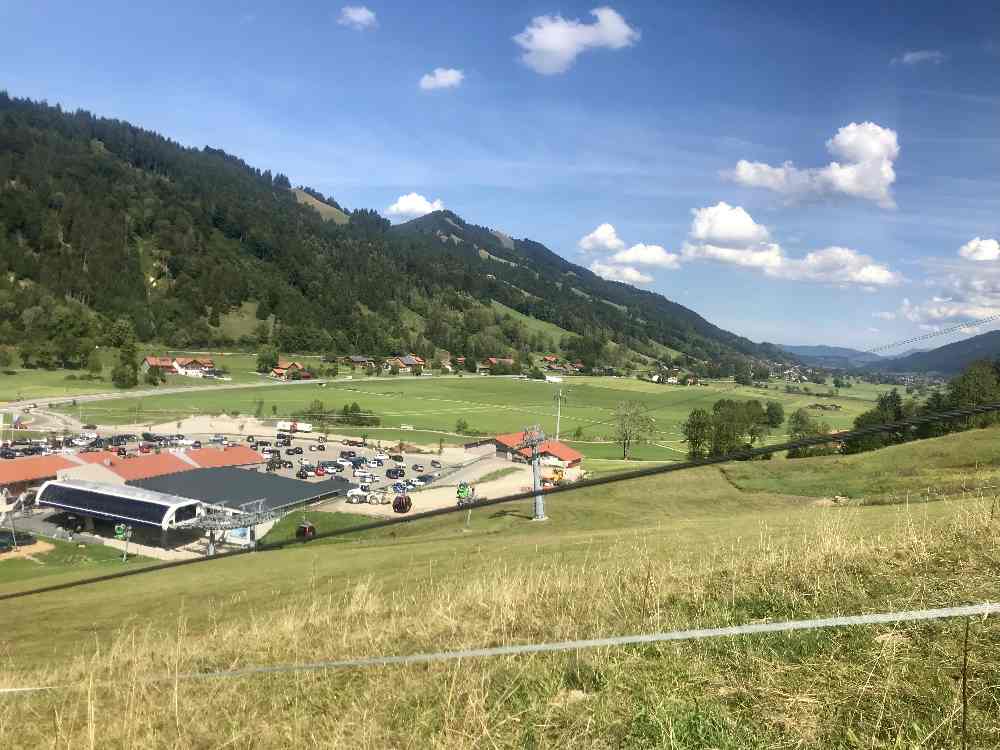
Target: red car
320	471
144	448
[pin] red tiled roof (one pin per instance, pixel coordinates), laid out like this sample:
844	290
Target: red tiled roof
186	361
554	448
159	362
147	466
284	364
510	440
236	455
31	468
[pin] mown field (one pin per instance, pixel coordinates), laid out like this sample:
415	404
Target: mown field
679	551
433	406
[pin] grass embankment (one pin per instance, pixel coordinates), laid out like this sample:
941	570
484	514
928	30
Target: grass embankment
677	551
918	469
68	561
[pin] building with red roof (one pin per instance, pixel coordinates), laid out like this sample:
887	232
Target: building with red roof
552	452
17	474
234	455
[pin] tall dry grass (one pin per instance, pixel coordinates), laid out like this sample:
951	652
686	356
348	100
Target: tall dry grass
872	687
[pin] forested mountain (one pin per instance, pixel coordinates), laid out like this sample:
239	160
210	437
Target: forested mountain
103	222
951	358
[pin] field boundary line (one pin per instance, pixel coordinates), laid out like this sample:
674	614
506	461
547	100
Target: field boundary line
696	634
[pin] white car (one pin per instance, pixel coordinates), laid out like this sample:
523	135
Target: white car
416	482
380	456
356	492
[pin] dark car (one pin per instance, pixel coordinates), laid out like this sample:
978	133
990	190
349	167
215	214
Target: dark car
394	473
196	444
435	464
7	453
264	443
320	447
289	451
348	454
418	467
302	474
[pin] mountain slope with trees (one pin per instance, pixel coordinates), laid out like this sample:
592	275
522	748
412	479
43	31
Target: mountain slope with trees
950	358
105	224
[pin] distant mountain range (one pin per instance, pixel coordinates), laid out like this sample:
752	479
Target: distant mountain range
833	356
951	358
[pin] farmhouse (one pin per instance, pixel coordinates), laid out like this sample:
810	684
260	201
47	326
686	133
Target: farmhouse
162	364
487	365
359	360
511	447
194	367
286	370
404	363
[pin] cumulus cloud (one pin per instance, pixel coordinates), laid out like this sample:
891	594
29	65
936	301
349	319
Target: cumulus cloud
627	274
980	249
357	17
551	44
867	152
647	255
915	57
412	205
723	224
728	234
604	238
441	78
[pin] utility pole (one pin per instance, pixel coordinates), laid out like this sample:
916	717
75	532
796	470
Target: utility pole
533	437
559	398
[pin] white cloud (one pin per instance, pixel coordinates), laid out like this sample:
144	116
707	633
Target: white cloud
764	256
915	57
867	151
357	17
980	249
628	274
728	234
723	224
604	238
647	255
441	78
412	205
552	43
886	315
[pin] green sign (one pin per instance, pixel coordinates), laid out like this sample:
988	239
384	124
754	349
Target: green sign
120	531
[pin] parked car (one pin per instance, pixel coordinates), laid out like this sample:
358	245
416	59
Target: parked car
426	478
394	473
196	444
398	459
302	474
348	454
435	464
320	471
381	456
321	447
418	467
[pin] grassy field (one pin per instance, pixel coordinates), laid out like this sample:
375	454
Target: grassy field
68	561
684	550
489	405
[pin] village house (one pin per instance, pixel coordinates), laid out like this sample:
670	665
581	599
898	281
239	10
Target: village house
285	370
359	360
405	363
194	367
162	364
487	365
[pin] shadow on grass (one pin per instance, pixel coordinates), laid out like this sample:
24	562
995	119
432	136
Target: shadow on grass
507	513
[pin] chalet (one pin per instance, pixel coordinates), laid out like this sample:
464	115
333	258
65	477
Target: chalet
511	447
163	364
359	360
194	367
404	363
290	371
550	359
487	365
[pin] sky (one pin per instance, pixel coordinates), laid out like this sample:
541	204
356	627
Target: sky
800	173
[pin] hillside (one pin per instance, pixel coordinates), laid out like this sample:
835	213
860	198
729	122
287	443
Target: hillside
644	557
328	212
528	272
950	358
102	221
833	356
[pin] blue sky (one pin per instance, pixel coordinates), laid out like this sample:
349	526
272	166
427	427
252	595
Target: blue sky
671	122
